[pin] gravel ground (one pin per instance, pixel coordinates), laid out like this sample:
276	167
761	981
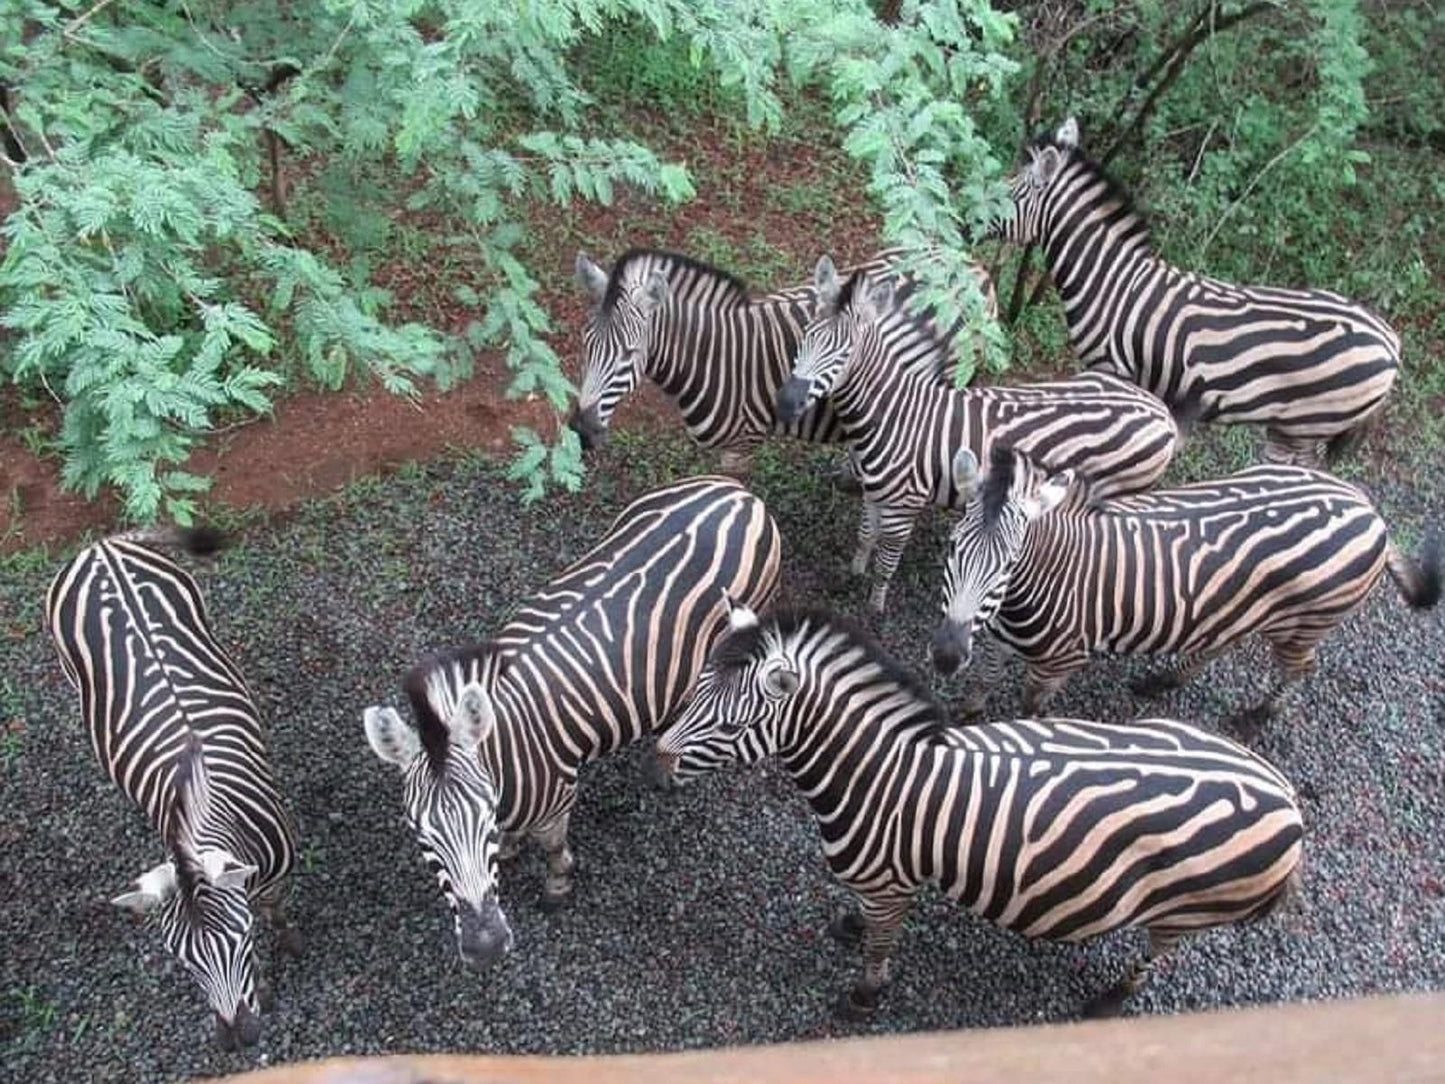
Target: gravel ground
698	916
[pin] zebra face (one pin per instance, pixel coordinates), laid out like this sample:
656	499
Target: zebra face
450	802
200	903
732	716
616	341
832	337
1030	187
986	544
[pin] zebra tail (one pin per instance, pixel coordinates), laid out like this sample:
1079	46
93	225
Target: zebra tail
1342	444
1419	579
196	541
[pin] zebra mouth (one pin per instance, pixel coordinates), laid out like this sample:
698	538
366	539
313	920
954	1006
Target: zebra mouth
793	398
662	770
951	647
590	430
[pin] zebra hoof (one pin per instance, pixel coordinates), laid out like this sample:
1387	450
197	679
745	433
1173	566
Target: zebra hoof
846	927
288	942
857	1007
1109	1003
552	902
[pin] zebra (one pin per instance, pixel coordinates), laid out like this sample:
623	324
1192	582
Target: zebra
1308	365
594	660
717	350
1055	828
173	724
1287	552
905	431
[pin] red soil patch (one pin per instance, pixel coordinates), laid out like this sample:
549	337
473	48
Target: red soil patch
315	442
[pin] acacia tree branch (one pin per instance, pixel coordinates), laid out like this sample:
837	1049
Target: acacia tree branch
1250	187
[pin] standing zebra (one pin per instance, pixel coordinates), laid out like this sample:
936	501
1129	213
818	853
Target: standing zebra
1282	551
596	659
905	431
173	724
1308	365
718	351
1054	828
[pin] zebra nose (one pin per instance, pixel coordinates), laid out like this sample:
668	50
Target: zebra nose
950	647
483	936
591	433
244	1030
661	769
793	397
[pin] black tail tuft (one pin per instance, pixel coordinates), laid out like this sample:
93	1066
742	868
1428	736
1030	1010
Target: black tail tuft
1427	592
1187	413
1342	444
202	541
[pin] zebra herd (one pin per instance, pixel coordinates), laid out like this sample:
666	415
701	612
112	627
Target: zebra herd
1063	550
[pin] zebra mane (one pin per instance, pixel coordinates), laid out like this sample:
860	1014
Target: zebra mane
1114	191
1003	461
485	657
734	289
189	789
738	648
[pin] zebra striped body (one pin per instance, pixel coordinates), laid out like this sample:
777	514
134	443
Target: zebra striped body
596	659
905	431
162	701
718	351
1309	365
1054	828
1283	551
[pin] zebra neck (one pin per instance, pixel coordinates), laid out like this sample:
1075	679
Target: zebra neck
692	341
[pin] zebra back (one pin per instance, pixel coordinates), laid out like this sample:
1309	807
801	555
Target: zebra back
133	637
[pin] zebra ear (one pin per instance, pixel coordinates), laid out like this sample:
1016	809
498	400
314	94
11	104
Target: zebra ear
877	298
390	738
225	870
151	889
780	681
740	616
965	473
1050	493
472	719
825	281
1068	133
591	278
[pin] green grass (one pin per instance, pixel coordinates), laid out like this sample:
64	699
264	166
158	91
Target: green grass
37	1013
755	259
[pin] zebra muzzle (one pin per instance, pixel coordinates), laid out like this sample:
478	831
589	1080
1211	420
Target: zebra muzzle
591	433
483	936
244	1030
793	398
661	770
951	646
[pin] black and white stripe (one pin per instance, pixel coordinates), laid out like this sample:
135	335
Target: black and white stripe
720	352
1053	828
172	722
905	429
1308	365
596	659
1283	551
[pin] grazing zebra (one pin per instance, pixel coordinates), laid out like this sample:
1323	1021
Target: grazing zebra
1308	365
1283	551
596	659
718	351
1054	828
905	431
172	722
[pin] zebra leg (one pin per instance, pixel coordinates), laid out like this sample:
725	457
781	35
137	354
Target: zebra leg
1042	683
895	528
846	475
738	464
1287	450
1296	661
272	905
1111	1001
511	845
1185	669
867	537
882	922
552	837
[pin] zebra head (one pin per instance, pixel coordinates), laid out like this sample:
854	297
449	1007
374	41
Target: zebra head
200	902
615	340
986	543
450	798
1033	185
840	324
733	713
